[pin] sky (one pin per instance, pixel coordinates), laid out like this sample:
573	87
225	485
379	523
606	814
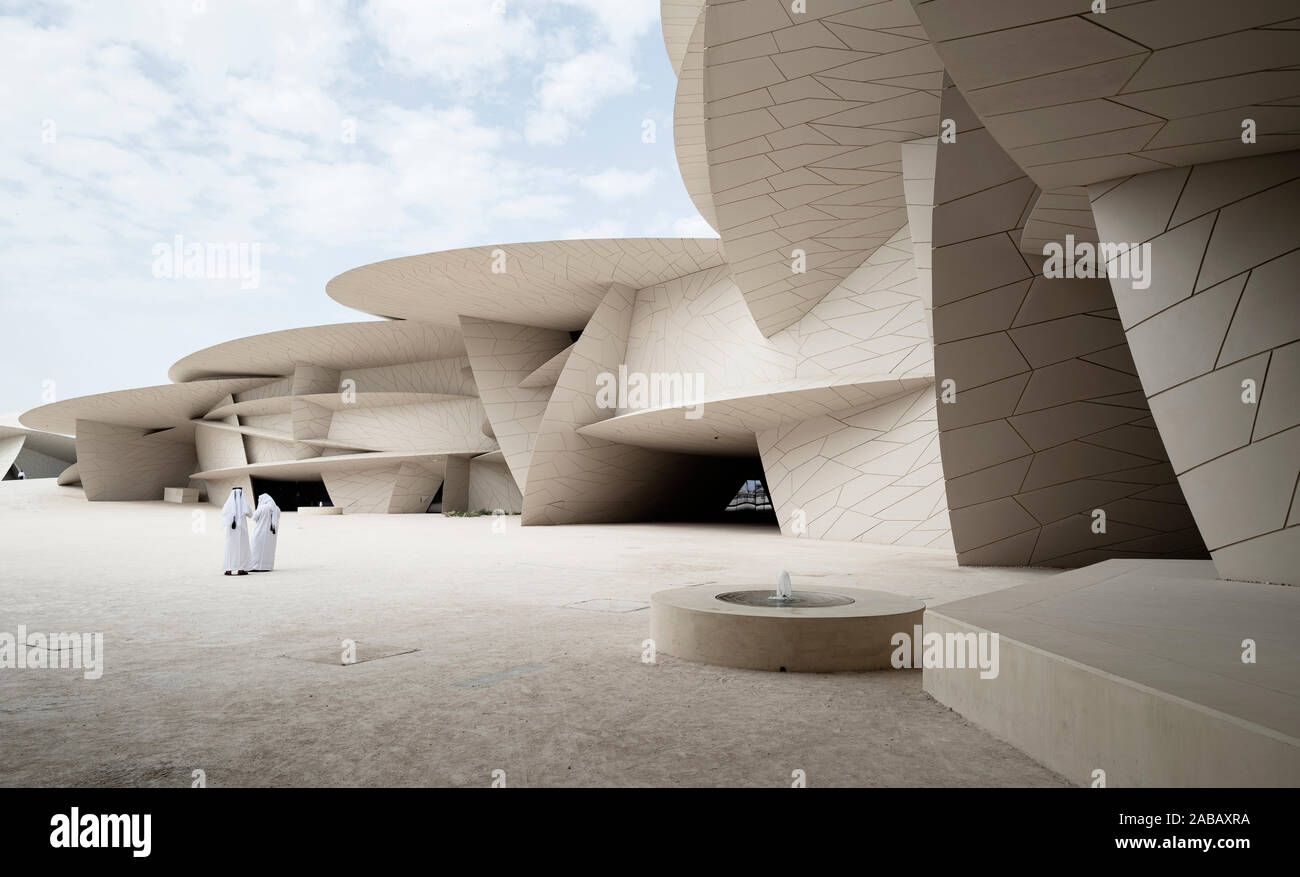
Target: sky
320	135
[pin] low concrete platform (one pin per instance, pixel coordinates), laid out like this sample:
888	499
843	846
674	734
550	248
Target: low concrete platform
694	624
320	510
1136	668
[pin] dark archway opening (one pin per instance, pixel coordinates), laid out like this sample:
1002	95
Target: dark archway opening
719	490
291	495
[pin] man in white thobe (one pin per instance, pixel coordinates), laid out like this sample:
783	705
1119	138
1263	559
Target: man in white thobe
266	524
234	515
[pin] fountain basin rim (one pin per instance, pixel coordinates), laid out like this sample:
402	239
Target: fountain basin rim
866	603
767	599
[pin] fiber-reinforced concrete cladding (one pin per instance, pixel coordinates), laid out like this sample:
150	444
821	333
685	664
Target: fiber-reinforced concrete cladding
1014	279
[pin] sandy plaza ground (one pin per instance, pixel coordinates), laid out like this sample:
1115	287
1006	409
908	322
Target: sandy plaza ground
471	658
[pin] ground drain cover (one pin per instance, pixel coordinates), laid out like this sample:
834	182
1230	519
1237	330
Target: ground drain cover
604	604
365	651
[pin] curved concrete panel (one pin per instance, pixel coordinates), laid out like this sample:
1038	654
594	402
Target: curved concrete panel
1221	310
400	488
118	462
503	355
688	125
574	477
160	407
70	476
728	422
804	117
329	402
875	322
10	445
35	453
50	444
339	346
217	448
442	427
868	474
1056	215
491	486
677	21
549	284
699	324
1078	97
1048	422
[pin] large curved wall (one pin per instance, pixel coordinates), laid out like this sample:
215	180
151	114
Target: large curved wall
129	463
1049	422
407	487
503	356
1223	308
689	140
576	478
866	474
1078	96
804	116
699	324
870	472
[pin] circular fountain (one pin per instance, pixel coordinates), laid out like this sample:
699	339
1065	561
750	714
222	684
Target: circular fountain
772	599
782	629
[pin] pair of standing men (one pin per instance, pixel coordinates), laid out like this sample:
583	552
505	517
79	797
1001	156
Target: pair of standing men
239	559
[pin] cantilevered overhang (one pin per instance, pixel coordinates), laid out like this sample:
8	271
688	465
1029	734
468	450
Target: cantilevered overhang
725	424
166	406
549	284
338	346
328	401
47	443
315	467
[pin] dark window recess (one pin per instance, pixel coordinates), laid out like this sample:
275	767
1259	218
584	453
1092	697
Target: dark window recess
751	505
752	497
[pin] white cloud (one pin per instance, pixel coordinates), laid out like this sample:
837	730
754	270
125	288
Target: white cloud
621	20
286	106
551	206
467	42
570	89
613	184
568	92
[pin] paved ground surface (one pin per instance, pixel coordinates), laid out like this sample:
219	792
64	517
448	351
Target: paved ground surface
502	676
